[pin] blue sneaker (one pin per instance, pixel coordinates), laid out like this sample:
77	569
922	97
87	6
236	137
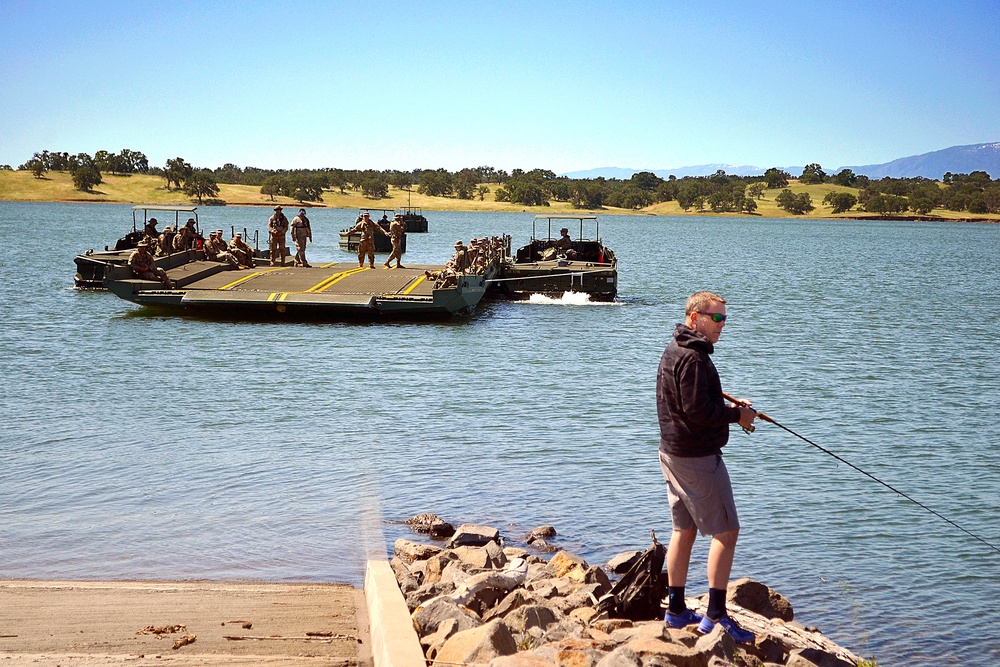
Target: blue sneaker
682	620
729	625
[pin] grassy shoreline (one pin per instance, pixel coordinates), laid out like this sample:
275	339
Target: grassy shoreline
22	186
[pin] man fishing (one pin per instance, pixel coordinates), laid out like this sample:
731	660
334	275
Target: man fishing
694	426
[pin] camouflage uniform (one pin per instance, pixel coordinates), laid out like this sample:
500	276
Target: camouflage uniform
216	251
141	263
396	230
367	228
185	238
277	225
301	232
165	242
241	251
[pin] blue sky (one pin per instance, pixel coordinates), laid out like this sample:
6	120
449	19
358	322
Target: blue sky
557	85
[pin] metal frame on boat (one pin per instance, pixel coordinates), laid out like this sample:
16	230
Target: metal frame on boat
539	268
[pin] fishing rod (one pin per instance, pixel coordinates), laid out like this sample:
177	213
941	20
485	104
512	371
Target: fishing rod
761	415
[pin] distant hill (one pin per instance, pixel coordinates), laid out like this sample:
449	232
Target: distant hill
679	172
957	160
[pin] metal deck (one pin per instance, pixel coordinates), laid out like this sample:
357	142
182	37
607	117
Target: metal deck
340	280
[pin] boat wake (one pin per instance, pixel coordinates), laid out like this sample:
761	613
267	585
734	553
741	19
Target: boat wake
569	299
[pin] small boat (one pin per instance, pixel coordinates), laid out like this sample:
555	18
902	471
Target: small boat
91	265
550	267
350	241
414	219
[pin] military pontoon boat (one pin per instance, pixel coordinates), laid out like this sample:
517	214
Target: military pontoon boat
540	267
91	265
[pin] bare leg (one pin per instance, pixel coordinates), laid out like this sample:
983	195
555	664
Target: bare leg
679	556
720	558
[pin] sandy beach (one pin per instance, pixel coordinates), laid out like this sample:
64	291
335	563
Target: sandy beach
93	623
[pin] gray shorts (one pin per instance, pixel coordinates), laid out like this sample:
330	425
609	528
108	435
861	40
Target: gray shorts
700	493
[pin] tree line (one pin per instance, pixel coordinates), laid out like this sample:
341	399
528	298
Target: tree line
718	193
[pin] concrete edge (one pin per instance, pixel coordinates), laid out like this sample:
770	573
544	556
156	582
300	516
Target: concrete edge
394	642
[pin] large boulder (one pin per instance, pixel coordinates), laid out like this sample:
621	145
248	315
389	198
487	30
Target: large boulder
427	592
758	598
530	616
478	645
471	535
621	563
436	565
432	525
622	656
516	598
569	565
409	551
814	657
427	618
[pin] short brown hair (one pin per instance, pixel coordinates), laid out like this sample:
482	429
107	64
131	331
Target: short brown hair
698	301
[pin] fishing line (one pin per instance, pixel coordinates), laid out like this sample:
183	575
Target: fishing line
768	419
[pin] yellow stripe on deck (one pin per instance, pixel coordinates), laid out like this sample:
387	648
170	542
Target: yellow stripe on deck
246	278
414	285
335	278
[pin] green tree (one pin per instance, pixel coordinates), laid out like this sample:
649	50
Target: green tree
756	190
776	178
273	185
465	183
749	205
374	188
846	178
177	171
201	184
435	183
86	176
812	174
796	204
36	166
840	201
483	190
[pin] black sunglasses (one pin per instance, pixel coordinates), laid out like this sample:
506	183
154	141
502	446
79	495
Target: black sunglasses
716	317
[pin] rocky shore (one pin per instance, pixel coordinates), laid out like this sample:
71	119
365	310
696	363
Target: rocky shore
474	600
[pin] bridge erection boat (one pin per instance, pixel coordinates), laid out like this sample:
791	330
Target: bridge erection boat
554	265
91	265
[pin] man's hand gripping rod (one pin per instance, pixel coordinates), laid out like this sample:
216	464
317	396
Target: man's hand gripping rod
743	404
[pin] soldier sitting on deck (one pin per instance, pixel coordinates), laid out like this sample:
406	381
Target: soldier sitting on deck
216	250
241	251
141	264
165	242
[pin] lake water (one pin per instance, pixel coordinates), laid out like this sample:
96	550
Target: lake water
148	446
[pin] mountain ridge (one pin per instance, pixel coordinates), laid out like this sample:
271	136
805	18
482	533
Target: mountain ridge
933	165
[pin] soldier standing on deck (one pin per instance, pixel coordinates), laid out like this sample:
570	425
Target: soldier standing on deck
301	232
396	231
367	228
277	225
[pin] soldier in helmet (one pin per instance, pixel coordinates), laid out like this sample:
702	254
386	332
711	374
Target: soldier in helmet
165	242
142	266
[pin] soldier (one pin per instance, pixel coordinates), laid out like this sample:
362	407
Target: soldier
151	232
241	251
277	225
187	236
141	263
367	228
396	231
301	232
216	249
461	258
165	242
565	244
